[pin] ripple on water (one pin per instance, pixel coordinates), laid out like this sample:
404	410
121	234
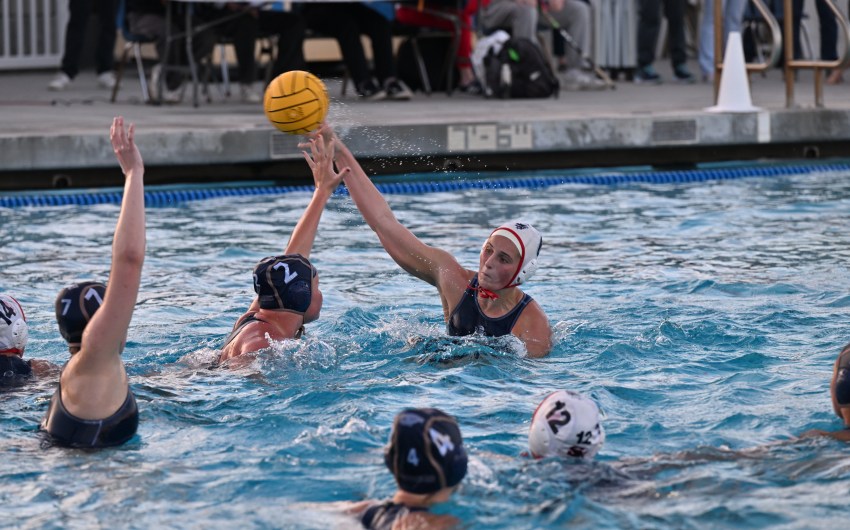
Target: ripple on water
703	318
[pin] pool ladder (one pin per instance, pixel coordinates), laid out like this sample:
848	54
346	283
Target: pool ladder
791	65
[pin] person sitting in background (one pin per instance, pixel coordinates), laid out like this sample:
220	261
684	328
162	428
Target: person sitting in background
75	36
566	424
290	27
14	333
148	18
412	15
287	285
574	18
345	22
93	405
518	17
426	456
242	31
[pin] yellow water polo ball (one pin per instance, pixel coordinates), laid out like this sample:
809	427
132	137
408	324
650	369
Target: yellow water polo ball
296	102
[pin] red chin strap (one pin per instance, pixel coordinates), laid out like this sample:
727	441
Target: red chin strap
485	293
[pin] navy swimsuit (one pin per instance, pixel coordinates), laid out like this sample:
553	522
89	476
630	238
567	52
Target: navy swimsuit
382	516
66	429
467	317
247	319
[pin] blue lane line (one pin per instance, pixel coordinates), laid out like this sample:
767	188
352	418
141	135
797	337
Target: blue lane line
174	197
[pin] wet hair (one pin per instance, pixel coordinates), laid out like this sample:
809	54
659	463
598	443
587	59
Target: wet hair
75	305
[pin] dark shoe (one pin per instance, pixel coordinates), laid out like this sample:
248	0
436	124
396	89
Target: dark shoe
369	91
647	74
683	74
397	90
473	88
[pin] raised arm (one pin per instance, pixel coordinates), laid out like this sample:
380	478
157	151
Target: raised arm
106	333
425	262
321	162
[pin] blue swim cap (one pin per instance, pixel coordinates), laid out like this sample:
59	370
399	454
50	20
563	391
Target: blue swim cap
426	452
75	305
284	282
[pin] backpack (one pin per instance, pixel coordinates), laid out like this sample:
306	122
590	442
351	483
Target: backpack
519	70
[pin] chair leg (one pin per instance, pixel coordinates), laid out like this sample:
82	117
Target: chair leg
451	60
225	73
137	51
120	73
420	63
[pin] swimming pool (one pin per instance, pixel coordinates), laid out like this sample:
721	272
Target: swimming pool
703	317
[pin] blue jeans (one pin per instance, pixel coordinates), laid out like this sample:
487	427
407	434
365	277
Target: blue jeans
733	13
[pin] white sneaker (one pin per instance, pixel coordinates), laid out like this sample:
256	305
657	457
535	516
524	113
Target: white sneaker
60	82
167	96
575	79
106	80
249	95
174	96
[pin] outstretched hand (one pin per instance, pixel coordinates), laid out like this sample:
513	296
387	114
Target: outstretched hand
128	155
321	159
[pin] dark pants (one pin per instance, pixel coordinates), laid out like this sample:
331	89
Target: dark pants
346	22
75	35
242	32
289	28
649	24
828	32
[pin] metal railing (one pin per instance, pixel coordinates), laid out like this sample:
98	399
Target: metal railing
791	64
775	38
32	33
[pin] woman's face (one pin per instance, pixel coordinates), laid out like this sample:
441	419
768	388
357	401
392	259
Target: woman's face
498	263
315	307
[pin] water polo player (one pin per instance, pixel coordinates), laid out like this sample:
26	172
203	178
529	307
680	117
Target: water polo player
93	405
840	391
426	456
14	333
566	424
488	300
287	286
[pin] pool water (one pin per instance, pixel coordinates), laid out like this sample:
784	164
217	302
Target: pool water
704	318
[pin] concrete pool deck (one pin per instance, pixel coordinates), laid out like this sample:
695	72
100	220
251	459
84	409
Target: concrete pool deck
55	139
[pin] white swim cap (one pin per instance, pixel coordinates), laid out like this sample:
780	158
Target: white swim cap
528	242
13	326
566	424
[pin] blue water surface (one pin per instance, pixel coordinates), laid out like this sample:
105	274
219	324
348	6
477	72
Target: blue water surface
703	317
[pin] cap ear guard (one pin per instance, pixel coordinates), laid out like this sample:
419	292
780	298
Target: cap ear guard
75	306
526	272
